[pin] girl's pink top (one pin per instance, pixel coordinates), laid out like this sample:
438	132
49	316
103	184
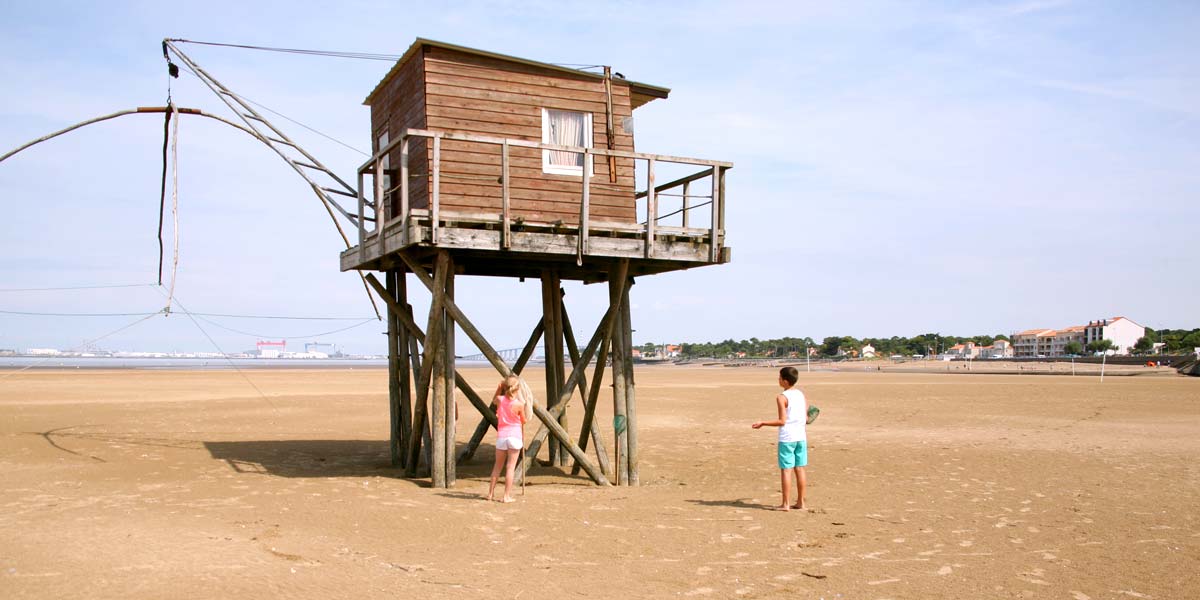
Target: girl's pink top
508	418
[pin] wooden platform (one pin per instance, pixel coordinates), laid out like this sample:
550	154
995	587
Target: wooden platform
479	247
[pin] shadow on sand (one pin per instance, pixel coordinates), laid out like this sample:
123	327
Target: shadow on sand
739	503
329	458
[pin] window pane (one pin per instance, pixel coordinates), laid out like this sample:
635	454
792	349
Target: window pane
566	129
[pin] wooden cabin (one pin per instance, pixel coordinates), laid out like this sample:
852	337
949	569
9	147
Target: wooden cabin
481	151
486	164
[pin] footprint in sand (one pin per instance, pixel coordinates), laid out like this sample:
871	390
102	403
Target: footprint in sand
704	591
704	570
1079	595
945	570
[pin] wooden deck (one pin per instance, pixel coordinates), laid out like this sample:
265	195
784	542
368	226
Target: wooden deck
479	246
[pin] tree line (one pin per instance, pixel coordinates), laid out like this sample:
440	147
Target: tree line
1175	341
924	344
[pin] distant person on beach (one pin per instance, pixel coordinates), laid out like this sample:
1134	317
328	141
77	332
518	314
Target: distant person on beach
512	406
793	439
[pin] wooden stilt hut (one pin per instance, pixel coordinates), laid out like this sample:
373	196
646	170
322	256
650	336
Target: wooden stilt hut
492	165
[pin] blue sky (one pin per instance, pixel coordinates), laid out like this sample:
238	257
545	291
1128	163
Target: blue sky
900	167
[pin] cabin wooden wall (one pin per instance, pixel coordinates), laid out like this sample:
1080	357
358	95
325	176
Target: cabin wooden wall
475	94
398	106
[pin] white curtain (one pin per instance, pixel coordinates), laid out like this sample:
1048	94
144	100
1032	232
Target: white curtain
566	129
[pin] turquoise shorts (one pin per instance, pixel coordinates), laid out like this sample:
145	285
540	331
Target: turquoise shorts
793	454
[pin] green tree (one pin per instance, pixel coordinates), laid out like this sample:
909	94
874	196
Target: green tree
1073	348
1143	345
1101	346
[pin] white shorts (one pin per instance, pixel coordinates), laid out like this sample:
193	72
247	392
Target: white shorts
510	443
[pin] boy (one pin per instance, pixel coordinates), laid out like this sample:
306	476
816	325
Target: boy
793	440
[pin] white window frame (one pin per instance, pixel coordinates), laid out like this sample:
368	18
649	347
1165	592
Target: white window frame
588	140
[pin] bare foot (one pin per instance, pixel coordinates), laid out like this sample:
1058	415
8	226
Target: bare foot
781	508
507	499
798	506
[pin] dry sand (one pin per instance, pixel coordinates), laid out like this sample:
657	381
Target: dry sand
147	484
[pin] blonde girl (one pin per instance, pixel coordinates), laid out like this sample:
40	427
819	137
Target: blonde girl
514	405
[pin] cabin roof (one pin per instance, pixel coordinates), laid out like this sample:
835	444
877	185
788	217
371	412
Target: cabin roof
640	93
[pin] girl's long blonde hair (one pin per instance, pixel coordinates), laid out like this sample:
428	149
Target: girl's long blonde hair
519	390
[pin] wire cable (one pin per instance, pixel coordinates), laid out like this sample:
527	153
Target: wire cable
222	315
78	287
283	116
265	336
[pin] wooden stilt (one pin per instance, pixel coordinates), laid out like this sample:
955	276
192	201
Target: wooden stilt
402	364
560	434
550	317
616	293
395	438
419	423
606	324
631	420
560	352
448	371
435	347
589	428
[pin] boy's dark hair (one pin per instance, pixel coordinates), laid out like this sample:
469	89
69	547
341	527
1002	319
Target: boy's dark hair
790	375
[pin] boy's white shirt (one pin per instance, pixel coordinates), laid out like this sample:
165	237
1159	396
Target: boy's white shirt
793	429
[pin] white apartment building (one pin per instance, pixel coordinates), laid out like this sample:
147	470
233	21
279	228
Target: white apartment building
998	349
1123	333
1053	342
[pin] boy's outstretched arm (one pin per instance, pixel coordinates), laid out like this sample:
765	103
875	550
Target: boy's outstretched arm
781	404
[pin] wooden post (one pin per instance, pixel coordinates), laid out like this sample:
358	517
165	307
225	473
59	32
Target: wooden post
589	426
404	188
549	290
412	455
717	212
584	208
651	208
687	203
573	351
606	325
395	438
404	381
435	208
506	227
626	325
448	370
560	368
429	361
616	292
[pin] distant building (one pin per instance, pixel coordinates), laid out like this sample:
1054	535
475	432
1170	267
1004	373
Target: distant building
998	349
1032	343
868	351
966	350
1062	337
1121	331
43	352
269	349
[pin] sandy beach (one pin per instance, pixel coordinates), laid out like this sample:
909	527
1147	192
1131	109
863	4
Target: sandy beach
192	484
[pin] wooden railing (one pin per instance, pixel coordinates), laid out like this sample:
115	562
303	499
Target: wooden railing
380	206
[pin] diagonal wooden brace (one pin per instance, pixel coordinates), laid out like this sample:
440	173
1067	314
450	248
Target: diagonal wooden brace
457	314
459	381
602	331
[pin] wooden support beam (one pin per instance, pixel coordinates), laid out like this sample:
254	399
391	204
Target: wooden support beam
416	335
404	382
395	437
589	426
560	434
435	348
616	293
448	384
606	324
631	420
457	315
573	350
419	440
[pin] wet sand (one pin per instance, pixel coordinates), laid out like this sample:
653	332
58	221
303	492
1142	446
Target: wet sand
142	484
